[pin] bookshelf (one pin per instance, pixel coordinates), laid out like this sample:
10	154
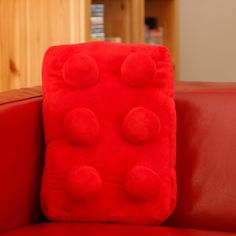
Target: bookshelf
163	11
124	21
28	28
166	14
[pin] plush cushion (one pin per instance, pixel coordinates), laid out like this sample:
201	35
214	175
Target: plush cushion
110	130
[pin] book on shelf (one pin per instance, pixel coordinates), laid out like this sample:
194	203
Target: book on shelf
97	22
154	33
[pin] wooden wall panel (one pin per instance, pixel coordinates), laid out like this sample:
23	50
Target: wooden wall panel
137	21
13	44
28	28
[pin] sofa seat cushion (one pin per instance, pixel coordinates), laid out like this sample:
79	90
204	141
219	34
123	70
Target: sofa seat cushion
84	229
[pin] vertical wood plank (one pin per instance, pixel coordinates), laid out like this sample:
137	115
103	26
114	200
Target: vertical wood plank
29	27
12	40
48	24
82	16
137	9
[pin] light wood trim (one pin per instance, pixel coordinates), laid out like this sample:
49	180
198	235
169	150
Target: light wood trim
137	21
82	10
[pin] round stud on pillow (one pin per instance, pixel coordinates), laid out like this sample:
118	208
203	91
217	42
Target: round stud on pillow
80	70
81	126
141	125
138	69
83	183
142	183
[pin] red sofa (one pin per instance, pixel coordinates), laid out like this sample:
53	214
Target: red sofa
206	167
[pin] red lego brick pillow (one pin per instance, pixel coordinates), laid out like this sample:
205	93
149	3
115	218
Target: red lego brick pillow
110	130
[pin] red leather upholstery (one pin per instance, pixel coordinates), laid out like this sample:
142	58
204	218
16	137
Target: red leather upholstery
21	157
75	229
206	156
206	160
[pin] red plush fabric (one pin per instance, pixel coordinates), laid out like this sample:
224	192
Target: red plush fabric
110	130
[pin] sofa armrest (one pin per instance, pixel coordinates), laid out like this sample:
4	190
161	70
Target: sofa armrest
21	157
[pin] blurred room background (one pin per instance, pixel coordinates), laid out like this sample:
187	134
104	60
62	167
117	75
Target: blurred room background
201	34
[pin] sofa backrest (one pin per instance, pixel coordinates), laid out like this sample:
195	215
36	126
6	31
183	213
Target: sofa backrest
206	156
